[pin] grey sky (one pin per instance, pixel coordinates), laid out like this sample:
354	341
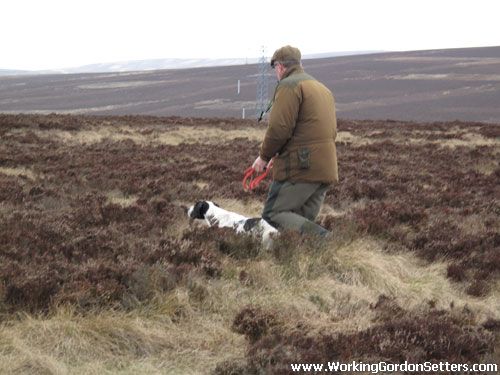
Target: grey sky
52	34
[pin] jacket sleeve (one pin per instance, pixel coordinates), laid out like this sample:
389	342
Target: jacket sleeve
282	121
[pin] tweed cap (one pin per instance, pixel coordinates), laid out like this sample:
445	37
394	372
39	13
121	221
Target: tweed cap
286	54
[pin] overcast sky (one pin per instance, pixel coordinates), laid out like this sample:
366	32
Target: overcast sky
50	34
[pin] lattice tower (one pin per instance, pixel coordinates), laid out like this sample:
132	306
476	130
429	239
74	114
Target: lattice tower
262	85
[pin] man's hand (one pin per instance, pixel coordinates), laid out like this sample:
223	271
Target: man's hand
259	165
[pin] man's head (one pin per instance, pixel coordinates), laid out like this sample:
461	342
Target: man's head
283	58
286	56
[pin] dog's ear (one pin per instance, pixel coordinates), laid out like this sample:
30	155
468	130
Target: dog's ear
199	210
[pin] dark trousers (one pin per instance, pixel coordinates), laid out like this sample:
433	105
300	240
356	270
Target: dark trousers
295	206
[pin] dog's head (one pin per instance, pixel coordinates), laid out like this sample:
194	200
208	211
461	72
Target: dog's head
199	209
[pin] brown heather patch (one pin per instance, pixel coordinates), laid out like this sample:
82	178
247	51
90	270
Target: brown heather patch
413	336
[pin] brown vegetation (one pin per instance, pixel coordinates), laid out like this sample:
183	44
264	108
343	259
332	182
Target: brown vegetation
99	225
416	337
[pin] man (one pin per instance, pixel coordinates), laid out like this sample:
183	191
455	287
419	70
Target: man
300	139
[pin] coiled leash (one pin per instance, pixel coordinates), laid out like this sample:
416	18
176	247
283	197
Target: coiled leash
249	182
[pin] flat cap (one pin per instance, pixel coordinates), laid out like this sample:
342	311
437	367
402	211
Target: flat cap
286	54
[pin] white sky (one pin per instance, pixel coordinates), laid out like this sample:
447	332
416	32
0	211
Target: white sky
50	34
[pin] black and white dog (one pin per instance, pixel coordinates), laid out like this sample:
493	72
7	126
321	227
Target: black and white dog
216	216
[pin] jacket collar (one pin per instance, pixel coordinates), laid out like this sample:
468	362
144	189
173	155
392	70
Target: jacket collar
292	70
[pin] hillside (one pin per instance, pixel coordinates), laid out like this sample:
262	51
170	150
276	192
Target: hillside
442	85
102	272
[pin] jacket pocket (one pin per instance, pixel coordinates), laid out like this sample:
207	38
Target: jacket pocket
304	156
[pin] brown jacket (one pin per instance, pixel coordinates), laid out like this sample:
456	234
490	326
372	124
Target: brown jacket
302	130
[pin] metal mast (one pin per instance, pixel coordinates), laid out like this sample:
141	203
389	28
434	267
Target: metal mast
262	85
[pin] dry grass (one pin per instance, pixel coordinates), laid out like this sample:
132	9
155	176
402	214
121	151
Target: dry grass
349	138
19	172
155	135
250	208
121	199
145	341
470	140
158	135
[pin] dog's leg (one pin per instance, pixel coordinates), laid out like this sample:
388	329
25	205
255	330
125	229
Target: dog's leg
251	223
211	221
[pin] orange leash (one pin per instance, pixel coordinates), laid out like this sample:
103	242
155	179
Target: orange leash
250	183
